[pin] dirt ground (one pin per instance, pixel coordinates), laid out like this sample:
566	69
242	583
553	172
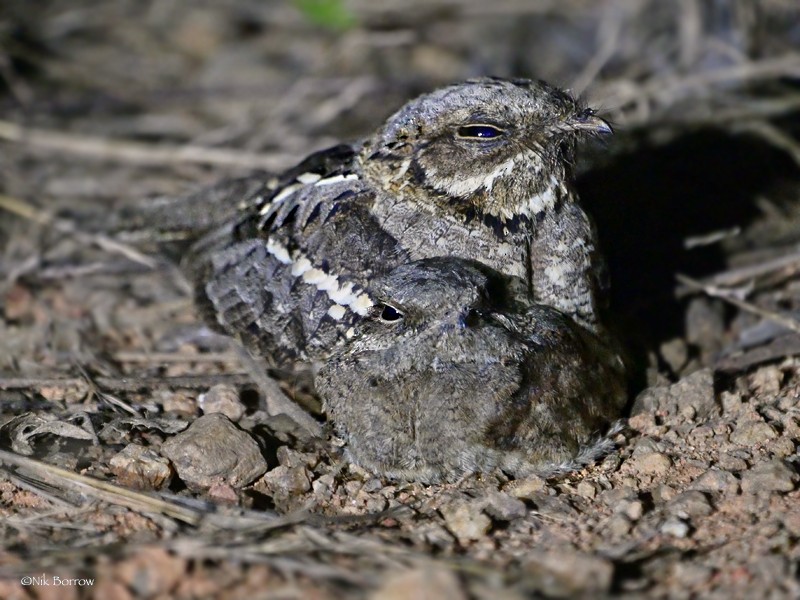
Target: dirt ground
112	392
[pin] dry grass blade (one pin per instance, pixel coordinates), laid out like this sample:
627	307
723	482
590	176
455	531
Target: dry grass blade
56	477
741	275
715	292
28	211
133	152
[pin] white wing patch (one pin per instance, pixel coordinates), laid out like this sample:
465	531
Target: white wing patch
343	295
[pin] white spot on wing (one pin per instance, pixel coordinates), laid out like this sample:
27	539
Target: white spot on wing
337	311
307	178
336	179
279	251
282	195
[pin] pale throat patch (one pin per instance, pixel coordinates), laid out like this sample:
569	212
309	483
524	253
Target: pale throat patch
464	187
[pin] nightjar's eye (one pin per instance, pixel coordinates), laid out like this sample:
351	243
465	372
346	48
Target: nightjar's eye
480	131
390	314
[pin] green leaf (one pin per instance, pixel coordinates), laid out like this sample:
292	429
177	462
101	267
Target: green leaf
331	14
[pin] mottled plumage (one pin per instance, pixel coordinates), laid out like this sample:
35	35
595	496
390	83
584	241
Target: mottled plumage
449	374
479	170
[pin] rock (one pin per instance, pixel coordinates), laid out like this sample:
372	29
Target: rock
632	509
285	482
674	527
466	520
691	503
619	525
587	489
567	573
213	450
655	463
527	488
771	476
140	468
504	507
753	433
716	480
292	458
425	583
222	398
696	390
675	353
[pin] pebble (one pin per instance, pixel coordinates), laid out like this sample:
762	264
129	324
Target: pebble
222	398
688	504
504	507
675	353
632	509
422	583
716	480
655	463
213	450
675	527
753	433
466	520
587	489
696	390
567	574
619	525
772	476
140	468
527	488
286	482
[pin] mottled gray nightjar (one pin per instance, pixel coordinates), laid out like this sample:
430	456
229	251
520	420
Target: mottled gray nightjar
479	170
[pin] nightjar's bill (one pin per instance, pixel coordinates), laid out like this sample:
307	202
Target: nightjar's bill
450	374
479	170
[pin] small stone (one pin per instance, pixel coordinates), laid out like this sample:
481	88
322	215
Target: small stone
646	445
782	447
323	487
504	507
691	574
691	503
675	353
466	521
177	403
655	463
615	496
567	574
353	487
716	480
423	583
527	488
730	462
642	422
675	527
292	458
664	493
632	509
587	489
771	476
140	468
619	525
213	450
151	572
753	433
222	398
767	381
286	482
696	390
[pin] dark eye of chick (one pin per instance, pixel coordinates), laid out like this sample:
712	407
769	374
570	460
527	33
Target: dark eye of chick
390	314
480	131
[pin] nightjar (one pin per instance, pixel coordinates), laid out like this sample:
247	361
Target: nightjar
450	373
479	170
